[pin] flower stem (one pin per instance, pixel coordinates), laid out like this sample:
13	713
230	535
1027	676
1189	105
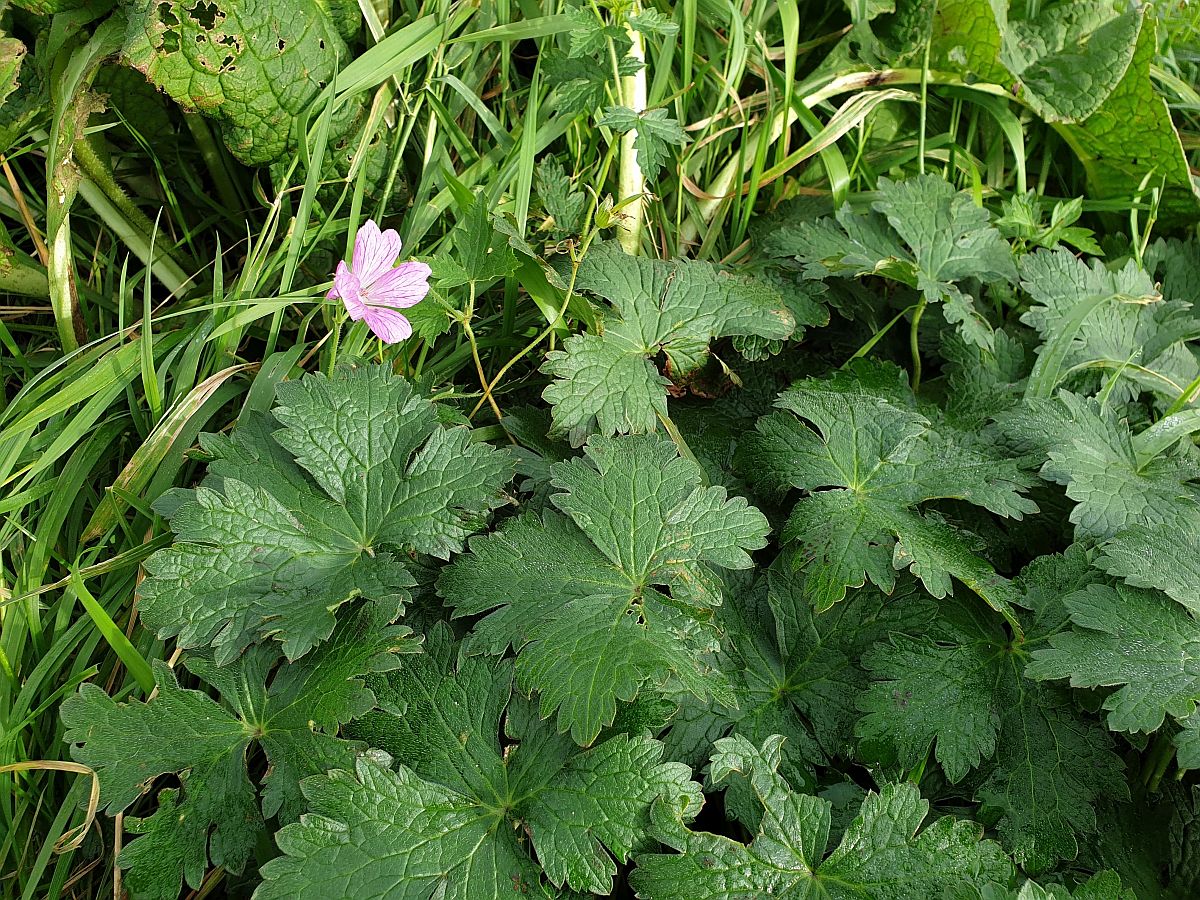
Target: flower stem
470	335
912	343
542	335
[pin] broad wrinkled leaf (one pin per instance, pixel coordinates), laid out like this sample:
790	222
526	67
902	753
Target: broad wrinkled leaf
293	715
293	522
1071	58
1081	60
473	808
254	67
616	593
606	381
867	465
884	853
923	233
1136	639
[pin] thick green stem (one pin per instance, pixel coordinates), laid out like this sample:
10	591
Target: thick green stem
1162	751
19	274
61	282
631	184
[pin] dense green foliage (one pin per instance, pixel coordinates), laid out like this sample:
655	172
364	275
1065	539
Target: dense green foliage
790	487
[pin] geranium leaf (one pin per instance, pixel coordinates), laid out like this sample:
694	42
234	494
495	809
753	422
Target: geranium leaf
293	522
618	592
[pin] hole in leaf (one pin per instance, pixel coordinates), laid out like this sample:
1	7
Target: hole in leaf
167	16
321	43
282	44
206	15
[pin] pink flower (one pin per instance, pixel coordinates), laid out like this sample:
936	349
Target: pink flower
373	290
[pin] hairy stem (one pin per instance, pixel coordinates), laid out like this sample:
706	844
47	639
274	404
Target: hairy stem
100	190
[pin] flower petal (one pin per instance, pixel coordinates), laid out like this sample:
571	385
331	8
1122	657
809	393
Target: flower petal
401	287
388	324
374	251
348	289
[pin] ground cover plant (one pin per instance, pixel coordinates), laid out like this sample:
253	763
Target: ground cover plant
569	449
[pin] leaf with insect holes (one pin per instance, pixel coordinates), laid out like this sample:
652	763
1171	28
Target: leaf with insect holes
655	132
884	854
484	798
606	381
253	67
617	593
867	465
922	233
292	522
292	712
